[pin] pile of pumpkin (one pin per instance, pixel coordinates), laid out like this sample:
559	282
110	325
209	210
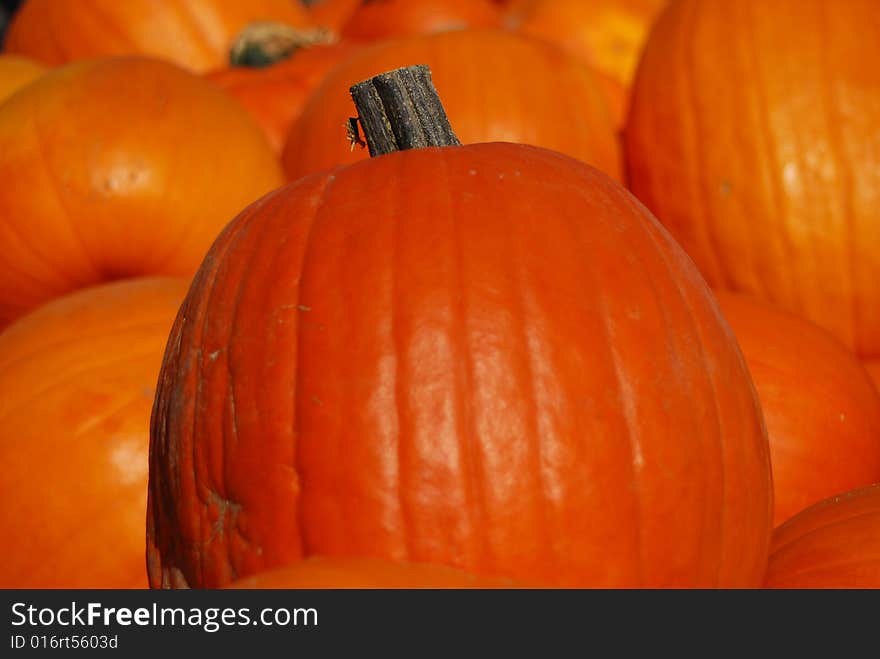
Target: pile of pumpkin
622	337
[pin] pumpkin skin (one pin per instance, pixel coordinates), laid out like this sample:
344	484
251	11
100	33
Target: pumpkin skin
332	14
112	179
383	19
275	95
872	366
485	104
77	378
16	72
607	34
834	544
194	34
357	572
438	356
752	136
821	409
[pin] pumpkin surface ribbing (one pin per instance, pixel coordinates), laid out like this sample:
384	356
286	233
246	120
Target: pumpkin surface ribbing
488	357
752	136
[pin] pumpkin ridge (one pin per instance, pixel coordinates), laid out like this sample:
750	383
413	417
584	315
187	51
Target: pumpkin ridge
819	529
624	386
80	338
54	184
50	266
698	192
843	173
76	373
472	468
307	258
772	187
701	347
402	407
221	492
163	417
833	565
525	303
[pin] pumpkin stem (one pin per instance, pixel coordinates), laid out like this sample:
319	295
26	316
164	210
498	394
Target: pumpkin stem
401	110
263	43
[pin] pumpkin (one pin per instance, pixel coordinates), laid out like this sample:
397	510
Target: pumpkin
833	544
16	72
607	34
496	87
382	19
753	137
821	410
331	14
122	167
275	95
872	366
77	378
489	357
194	34
357	572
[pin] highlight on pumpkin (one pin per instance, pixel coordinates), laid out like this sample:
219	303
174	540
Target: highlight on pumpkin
439	294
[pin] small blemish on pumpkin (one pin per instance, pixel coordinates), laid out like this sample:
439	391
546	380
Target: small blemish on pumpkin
500	175
213	356
303	307
842	417
724	188
472	172
317	401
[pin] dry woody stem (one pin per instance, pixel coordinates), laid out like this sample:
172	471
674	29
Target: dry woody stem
401	110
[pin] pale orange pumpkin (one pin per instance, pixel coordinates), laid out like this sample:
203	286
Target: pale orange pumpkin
122	167
77	378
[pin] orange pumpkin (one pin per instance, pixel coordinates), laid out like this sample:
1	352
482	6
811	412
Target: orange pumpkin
16	72
821	410
194	34
753	137
834	544
76	387
336	572
607	34
489	357
122	167
513	95
383	19
332	14
873	368
275	95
